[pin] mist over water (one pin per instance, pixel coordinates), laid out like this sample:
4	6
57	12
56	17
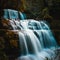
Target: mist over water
36	40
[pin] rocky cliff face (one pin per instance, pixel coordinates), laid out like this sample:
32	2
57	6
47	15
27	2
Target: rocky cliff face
9	46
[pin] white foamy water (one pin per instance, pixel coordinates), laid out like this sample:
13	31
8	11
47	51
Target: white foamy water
36	40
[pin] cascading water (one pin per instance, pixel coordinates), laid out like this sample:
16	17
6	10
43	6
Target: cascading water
14	14
35	39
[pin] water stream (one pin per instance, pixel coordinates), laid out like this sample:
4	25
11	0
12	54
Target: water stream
36	40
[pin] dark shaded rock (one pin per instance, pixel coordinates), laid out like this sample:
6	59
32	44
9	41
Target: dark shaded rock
5	24
9	44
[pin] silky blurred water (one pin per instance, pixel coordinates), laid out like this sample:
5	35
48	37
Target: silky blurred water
36	39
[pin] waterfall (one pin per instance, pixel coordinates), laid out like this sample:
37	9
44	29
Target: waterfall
13	14
22	16
35	38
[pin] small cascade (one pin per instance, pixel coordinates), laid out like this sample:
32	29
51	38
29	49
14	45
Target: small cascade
23	43
14	14
22	16
35	38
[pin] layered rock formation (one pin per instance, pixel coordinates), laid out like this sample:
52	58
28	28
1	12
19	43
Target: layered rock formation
9	46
